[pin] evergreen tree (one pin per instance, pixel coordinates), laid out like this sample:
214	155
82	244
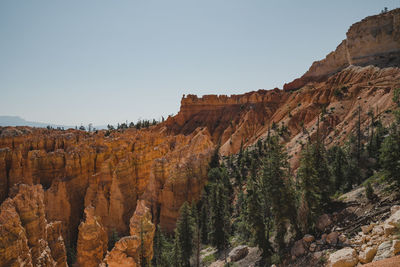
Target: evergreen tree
352	168
113	239
337	160
214	161
259	218
369	192
161	249
176	254
219	221
390	156
196	234
311	194
143	261
184	234
242	226
275	177
375	142
204	210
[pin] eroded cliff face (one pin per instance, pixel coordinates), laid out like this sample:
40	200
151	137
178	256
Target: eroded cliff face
373	41
26	237
243	119
107	175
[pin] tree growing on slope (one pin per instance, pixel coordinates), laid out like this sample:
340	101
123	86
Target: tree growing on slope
184	235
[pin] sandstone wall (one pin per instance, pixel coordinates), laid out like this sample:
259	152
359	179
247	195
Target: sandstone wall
374	40
26	239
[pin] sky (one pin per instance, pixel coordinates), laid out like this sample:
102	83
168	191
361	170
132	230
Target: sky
96	61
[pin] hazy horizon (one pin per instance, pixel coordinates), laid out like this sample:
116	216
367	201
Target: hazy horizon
103	62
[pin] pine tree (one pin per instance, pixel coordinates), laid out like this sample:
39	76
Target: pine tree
323	173
369	192
113	239
311	196
242	226
375	142
143	261
275	177
390	156
159	248
176	254
184	234
196	234
219	221
204	211
259	218
214	161
359	135
337	160
352	168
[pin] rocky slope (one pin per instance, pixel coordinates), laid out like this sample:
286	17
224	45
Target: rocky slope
359	232
243	119
130	180
373	41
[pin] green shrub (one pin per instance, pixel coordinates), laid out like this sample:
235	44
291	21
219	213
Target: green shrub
207	260
369	192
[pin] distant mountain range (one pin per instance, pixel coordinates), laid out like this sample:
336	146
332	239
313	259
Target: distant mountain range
18	121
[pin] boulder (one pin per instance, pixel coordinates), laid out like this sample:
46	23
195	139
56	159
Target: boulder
308	238
367	254
346	257
390	225
384	251
343	239
367	228
332	238
317	255
389	229
394	208
394	219
238	253
323	222
377	230
323	238
298	249
313	247
395	247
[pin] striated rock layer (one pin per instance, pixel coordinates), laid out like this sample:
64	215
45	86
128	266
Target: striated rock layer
373	41
130	180
92	240
110	174
243	119
26	239
136	249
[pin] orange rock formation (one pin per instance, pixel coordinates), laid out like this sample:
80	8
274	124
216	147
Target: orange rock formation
373	41
131	250
26	238
132	180
92	240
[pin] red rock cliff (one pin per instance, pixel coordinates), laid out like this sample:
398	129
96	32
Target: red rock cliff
373	41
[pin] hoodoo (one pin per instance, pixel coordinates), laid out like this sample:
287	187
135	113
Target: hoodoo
73	192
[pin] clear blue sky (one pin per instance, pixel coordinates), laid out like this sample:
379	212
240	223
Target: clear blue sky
73	62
